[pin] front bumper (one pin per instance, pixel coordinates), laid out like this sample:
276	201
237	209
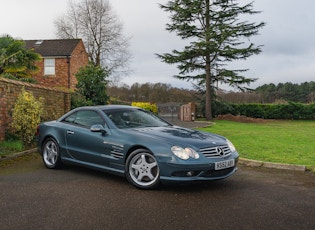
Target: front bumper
174	172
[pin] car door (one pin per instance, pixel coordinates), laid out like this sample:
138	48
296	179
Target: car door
83	145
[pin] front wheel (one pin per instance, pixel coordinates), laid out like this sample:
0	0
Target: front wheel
142	169
51	154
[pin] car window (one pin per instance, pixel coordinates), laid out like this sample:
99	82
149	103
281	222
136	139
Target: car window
134	118
85	118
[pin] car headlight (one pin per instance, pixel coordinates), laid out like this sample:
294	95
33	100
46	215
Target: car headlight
231	146
184	153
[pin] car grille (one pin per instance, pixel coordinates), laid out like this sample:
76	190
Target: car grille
217	151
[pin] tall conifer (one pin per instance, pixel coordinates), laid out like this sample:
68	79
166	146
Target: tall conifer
216	36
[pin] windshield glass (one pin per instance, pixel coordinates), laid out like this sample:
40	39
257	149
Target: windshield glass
134	118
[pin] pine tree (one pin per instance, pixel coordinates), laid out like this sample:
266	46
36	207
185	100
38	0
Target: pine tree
216	36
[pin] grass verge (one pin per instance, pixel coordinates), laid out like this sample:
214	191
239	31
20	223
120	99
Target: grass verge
9	147
290	142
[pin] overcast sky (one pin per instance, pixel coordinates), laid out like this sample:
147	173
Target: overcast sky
288	38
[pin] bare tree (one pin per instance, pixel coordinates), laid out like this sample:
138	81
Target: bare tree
101	31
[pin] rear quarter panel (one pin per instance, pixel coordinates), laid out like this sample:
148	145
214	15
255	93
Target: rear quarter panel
54	130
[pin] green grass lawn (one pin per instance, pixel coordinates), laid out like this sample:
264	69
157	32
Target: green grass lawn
291	142
9	147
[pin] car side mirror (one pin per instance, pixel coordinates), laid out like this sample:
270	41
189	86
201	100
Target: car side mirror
98	129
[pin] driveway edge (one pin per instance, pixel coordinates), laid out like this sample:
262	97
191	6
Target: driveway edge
15	155
254	163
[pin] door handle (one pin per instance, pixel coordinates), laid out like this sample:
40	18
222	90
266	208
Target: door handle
70	132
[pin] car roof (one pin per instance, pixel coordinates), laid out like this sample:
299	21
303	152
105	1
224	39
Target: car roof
98	107
108	107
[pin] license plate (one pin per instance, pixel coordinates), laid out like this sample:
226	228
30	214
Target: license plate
224	164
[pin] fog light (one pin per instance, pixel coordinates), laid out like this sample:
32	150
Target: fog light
190	173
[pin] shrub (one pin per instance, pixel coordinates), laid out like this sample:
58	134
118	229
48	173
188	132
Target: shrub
147	106
220	107
289	111
78	100
26	116
92	84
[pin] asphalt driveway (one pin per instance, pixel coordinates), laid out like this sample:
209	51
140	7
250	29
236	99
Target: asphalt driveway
33	197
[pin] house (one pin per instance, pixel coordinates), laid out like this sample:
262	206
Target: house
61	59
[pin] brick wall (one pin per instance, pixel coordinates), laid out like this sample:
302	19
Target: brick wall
79	58
188	112
56	102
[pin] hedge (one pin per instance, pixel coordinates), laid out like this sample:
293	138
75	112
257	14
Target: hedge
291	110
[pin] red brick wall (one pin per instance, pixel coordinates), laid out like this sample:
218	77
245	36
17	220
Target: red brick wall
56	102
79	59
61	79
188	112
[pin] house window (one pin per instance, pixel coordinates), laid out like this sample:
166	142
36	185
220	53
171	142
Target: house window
49	64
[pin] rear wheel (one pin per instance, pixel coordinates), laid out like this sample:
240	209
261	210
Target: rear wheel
142	169
51	154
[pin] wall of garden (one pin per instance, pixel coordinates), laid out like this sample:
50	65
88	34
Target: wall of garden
56	102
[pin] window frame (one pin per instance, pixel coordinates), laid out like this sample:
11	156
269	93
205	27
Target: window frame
78	118
49	66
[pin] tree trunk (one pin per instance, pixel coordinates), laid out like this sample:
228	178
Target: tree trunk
208	112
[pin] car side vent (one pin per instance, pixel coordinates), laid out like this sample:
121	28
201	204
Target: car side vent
117	151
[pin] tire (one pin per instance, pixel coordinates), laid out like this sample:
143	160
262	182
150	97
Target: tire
51	154
142	169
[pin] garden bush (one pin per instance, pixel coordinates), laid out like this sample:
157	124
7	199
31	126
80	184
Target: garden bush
147	106
26	116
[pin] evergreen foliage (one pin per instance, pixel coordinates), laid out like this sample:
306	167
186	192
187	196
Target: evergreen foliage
15	60
92	85
287	111
216	36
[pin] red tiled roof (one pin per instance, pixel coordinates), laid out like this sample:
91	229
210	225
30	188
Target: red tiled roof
52	48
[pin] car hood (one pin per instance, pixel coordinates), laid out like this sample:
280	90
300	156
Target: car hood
183	136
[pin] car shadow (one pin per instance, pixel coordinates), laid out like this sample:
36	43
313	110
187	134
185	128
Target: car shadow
190	187
187	187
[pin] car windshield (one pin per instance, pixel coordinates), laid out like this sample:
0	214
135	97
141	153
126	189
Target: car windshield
134	118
